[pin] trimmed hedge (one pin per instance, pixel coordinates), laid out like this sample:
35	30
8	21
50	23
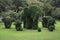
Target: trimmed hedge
7	22
18	26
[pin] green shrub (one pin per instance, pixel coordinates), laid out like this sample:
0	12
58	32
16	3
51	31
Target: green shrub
51	28
18	25
48	20
7	22
39	29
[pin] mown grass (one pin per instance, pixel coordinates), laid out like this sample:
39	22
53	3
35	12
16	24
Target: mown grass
12	34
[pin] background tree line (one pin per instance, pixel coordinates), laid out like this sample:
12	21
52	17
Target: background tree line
28	11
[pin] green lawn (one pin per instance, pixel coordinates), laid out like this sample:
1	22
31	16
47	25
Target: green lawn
12	34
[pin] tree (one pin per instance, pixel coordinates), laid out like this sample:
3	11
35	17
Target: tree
47	9
55	3
18	4
56	13
2	7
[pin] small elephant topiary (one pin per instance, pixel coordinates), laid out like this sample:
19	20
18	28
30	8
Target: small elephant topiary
7	22
18	25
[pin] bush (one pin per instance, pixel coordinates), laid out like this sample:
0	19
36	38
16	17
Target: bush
7	22
51	28
39	29
48	20
8	18
18	25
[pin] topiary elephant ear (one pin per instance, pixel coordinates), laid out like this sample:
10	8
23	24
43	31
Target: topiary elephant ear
34	11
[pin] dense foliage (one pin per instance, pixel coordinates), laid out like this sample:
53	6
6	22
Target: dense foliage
28	12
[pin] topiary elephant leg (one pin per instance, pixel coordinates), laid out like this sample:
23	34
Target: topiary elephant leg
35	24
29	23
